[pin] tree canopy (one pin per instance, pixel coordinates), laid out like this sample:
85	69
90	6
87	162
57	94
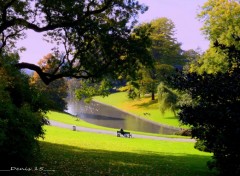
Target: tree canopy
166	53
94	40
213	113
221	21
96	34
22	115
165	48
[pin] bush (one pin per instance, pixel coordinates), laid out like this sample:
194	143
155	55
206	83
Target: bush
200	145
21	116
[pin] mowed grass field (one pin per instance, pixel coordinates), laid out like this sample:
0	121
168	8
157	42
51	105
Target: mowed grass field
144	107
90	154
72	153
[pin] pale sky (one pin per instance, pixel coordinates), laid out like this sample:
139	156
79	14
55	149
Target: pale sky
182	12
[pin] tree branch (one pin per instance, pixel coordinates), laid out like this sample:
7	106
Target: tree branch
48	77
105	7
43	76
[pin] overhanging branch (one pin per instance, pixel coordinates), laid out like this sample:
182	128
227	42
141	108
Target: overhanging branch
48	77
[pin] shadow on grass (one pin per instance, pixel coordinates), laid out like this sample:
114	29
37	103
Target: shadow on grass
171	117
75	161
146	104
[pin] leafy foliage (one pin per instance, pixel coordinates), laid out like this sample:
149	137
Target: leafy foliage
221	21
166	53
214	113
96	36
212	61
87	90
165	48
167	98
21	115
56	91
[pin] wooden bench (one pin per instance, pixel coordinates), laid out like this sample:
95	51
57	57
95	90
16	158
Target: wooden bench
125	134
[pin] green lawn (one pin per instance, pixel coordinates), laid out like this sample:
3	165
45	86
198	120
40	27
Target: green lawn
140	107
89	154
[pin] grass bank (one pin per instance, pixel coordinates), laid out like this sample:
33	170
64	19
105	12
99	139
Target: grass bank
144	107
88	154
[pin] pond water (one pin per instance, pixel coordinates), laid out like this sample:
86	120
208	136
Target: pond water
108	116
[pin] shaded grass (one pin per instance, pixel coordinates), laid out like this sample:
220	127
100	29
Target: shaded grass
144	107
87	154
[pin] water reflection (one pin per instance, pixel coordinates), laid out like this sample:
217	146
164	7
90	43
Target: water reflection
107	116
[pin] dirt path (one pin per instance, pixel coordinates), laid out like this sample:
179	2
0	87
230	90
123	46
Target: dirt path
78	128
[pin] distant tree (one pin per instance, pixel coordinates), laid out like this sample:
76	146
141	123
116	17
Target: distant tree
165	51
89	89
192	59
167	98
56	91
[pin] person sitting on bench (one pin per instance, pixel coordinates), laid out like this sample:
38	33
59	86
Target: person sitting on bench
122	132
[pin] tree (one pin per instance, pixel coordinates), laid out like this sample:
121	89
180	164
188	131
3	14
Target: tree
95	34
212	61
221	21
167	98
89	89
214	112
220	24
165	51
22	115
99	42
56	91
192	59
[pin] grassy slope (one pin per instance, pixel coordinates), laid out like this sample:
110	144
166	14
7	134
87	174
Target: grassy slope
79	153
139	107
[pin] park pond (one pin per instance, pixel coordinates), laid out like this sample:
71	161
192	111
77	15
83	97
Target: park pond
108	116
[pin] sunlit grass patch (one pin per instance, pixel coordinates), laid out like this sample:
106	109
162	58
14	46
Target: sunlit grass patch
143	107
79	153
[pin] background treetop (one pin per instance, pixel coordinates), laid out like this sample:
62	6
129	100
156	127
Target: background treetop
221	21
96	34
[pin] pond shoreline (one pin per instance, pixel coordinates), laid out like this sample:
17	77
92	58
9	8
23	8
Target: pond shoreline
147	120
105	115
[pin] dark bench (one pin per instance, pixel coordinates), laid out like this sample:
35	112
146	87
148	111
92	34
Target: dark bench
125	134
